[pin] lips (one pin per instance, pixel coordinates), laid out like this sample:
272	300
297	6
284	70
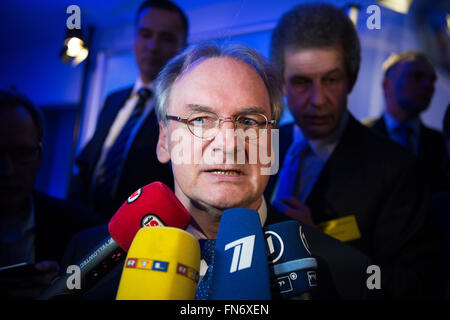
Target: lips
317	119
226	171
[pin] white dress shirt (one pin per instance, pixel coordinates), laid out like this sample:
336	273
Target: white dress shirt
198	234
120	121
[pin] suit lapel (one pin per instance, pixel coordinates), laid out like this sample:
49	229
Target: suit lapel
111	109
284	142
334	177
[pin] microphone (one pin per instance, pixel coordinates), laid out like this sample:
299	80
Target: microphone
240	269
293	269
162	264
151	206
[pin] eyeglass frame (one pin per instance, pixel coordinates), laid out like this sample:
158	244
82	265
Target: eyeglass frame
37	152
220	120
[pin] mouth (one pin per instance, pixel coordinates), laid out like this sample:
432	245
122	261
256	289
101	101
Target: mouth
225	172
317	119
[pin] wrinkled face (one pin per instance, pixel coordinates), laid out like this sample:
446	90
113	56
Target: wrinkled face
316	85
20	157
218	172
412	85
159	36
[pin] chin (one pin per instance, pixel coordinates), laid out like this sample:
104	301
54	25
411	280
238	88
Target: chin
227	199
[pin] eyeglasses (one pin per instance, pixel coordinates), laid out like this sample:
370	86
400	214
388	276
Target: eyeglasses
23	155
206	125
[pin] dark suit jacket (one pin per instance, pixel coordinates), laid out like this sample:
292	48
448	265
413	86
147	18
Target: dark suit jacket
341	268
141	166
432	152
372	178
56	222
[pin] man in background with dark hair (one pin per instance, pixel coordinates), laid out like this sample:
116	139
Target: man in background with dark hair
337	174
34	228
121	156
408	87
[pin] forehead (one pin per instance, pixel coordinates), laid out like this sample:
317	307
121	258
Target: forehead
16	126
415	66
160	20
312	61
220	83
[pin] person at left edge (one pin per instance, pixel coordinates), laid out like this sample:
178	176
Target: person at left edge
120	157
34	227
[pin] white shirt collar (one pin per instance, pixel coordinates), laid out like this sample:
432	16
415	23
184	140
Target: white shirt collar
139	84
323	148
262	211
392	123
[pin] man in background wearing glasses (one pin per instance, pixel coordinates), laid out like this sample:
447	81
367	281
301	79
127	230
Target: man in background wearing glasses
34	228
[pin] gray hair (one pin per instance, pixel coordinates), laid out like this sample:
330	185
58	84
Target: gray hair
176	67
316	25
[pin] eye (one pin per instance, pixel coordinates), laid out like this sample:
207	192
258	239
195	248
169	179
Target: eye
204	120
248	122
299	81
168	37
145	33
251	120
331	80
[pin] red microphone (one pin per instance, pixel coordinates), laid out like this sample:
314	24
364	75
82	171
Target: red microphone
150	206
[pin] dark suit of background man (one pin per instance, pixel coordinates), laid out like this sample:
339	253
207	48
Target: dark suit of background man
335	167
34	227
120	157
441	208
408	87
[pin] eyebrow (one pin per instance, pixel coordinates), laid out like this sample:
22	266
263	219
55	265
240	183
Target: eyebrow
247	109
335	70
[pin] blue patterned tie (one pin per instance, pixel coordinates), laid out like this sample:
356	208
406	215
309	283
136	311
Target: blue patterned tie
287	180
301	168
115	154
204	287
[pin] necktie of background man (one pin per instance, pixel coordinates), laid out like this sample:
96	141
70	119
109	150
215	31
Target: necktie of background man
403	134
300	170
116	154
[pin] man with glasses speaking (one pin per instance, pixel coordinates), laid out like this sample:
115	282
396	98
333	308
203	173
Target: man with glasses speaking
216	110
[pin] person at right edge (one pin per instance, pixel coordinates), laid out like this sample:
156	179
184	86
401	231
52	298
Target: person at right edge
338	175
408	86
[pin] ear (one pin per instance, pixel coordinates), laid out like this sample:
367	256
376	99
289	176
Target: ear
162	148
386	85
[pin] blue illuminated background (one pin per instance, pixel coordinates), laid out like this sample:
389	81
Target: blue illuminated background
32	34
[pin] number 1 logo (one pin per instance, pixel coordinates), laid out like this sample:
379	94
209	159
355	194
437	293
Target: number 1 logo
243	253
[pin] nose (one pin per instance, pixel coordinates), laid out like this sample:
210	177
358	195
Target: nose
153	43
224	143
317	95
